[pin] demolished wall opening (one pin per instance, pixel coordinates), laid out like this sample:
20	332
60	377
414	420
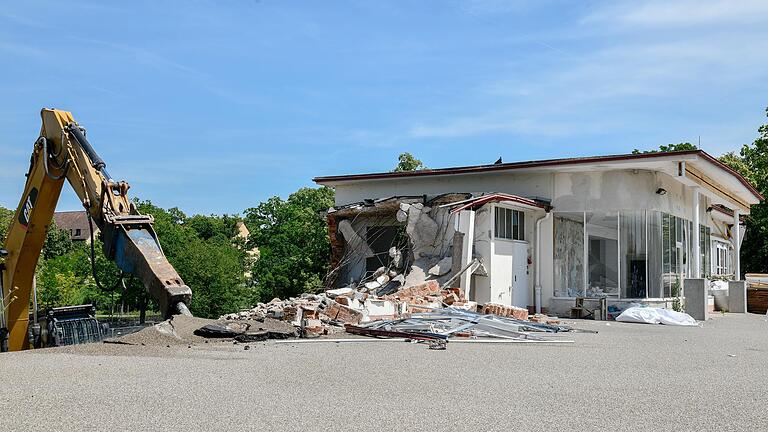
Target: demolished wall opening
381	239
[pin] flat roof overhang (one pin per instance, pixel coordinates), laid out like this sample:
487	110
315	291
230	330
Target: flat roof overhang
691	167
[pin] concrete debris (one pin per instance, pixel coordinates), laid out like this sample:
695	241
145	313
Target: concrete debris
442	268
397	257
420	227
416	275
354	239
339	292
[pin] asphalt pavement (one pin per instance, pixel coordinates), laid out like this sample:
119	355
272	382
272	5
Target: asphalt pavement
632	377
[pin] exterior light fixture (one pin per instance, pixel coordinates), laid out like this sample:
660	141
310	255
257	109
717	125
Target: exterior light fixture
661	191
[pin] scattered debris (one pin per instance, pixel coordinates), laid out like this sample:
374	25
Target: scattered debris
423	312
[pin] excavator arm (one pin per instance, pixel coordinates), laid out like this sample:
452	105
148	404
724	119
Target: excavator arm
62	152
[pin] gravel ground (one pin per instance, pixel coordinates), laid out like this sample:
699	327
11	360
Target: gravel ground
627	377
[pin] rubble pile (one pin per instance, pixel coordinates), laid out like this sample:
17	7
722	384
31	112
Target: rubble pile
421	312
414	293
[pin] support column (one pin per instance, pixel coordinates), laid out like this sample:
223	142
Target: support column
695	292
467	226
696	262
736	237
737	296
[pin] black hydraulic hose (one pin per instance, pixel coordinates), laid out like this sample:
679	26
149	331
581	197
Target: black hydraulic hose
93	259
96	161
44	143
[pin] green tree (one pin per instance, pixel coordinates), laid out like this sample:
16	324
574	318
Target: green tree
6	215
752	163
407	162
292	238
683	146
214	271
207	227
57	242
205	252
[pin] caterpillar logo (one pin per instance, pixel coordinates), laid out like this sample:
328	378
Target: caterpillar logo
26	208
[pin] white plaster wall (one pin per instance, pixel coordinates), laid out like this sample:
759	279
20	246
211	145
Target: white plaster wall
619	190
547	263
524	184
580	191
501	278
498	257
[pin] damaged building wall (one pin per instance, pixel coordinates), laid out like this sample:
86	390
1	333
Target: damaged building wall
527	184
593	190
421	238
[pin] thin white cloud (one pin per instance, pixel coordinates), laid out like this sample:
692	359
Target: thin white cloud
681	13
571	92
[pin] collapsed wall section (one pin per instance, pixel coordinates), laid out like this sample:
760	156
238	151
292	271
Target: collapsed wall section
388	244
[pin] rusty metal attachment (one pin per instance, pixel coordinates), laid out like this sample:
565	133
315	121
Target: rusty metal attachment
132	243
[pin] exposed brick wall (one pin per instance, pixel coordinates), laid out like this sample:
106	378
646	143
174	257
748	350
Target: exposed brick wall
337	250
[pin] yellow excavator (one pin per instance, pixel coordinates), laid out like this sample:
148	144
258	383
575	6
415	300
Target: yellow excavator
62	152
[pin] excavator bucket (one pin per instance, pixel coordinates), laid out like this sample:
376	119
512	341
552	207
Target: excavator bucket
71	325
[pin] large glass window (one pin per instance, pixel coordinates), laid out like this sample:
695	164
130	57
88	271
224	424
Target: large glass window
705	251
656	254
569	254
678	248
628	254
603	254
634	259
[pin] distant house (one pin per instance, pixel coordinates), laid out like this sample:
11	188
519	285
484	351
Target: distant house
76	224
624	227
253	254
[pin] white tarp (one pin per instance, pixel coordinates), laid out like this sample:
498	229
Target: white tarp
648	315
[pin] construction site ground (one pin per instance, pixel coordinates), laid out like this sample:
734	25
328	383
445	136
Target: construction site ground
626	377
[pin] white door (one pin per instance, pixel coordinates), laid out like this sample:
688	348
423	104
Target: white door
520	291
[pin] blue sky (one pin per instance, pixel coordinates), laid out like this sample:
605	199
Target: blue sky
215	105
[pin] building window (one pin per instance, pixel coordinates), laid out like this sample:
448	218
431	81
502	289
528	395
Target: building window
705	244
77	232
633	254
626	254
603	254
509	224
656	242
722	261
569	254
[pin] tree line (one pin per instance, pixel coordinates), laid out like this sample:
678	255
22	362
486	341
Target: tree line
287	253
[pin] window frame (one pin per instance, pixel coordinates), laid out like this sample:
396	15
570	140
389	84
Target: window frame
512	223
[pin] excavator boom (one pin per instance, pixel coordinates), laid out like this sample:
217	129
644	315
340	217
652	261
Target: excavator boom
62	152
